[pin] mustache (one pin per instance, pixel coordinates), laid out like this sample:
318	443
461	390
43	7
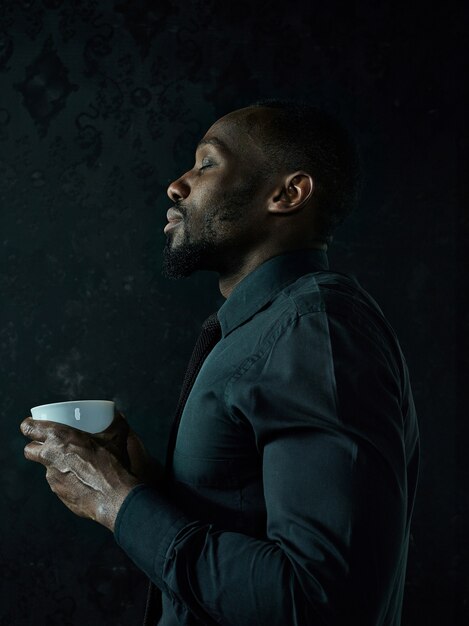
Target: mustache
180	206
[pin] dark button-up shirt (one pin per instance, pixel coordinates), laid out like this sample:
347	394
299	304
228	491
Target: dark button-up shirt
295	464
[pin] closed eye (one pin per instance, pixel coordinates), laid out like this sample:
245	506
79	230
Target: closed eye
205	164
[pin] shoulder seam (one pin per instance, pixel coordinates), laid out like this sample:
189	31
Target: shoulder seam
246	365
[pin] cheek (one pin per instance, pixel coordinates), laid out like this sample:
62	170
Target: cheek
219	201
203	205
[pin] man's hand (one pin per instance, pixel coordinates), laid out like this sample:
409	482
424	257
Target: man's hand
127	446
89	473
122	441
115	438
148	469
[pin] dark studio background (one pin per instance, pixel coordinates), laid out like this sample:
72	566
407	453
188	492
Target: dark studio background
101	105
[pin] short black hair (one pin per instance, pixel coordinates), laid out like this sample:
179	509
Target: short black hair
305	136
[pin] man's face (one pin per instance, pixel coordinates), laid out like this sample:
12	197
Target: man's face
220	201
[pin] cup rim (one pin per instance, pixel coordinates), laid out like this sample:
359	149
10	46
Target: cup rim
42	406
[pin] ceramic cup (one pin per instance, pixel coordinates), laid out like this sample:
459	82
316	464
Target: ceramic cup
92	416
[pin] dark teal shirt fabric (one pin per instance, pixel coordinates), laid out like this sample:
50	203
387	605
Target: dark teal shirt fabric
295	464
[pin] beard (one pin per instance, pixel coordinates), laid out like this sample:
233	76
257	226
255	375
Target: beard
186	257
209	251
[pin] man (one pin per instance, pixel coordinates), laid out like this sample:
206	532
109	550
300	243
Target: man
289	489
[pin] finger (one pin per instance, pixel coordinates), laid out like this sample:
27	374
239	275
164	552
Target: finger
119	418
32	429
118	426
40	430
120	414
25	424
34	452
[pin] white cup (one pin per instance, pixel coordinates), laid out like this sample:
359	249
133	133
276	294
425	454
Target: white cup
92	416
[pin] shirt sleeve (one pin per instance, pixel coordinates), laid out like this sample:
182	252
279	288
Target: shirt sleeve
322	400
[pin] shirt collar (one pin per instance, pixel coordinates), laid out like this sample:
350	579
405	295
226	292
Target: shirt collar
261	285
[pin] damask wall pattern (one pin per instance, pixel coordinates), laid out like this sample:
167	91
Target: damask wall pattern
101	105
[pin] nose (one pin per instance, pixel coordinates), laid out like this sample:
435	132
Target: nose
179	189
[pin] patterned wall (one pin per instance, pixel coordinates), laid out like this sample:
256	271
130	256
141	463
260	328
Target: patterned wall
101	104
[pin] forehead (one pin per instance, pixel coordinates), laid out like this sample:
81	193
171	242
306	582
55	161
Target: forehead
236	130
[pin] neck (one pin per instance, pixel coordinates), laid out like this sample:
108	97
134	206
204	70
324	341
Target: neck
229	279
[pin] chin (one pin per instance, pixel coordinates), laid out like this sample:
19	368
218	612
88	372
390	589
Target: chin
178	261
186	257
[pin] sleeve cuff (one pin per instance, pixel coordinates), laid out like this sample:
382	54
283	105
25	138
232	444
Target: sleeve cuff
145	526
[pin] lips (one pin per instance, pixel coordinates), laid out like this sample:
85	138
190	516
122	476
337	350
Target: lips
173	215
170	225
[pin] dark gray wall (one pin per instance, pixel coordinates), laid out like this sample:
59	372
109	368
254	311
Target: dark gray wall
101	104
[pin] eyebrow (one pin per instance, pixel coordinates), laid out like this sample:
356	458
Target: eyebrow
214	141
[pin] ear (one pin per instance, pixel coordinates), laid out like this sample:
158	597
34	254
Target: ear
293	193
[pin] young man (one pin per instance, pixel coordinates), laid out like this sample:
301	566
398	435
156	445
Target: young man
291	473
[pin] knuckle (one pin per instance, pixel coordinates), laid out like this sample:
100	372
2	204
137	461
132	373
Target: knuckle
57	435
47	453
70	458
43	453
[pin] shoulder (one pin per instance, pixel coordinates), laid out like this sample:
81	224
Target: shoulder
342	298
354	321
331	291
